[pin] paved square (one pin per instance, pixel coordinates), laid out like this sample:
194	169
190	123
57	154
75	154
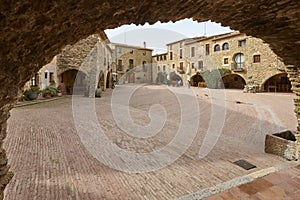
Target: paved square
50	161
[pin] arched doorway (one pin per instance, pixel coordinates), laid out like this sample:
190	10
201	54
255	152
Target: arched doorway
101	81
277	83
73	78
108	80
233	81
197	80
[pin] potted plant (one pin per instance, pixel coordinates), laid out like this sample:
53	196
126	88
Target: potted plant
32	93
49	91
61	89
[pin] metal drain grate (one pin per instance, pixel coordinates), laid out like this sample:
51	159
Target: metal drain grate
244	164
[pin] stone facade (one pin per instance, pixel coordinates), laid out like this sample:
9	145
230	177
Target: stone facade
33	33
46	76
248	58
93	58
133	64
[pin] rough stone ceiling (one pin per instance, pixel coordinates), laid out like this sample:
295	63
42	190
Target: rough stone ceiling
33	32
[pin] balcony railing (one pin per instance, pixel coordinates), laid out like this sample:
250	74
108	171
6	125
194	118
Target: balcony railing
238	67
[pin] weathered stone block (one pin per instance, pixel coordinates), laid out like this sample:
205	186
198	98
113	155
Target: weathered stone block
282	144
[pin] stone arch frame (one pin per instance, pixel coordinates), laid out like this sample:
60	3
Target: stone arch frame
68	88
234	74
101	81
217	47
40	44
225	46
261	86
108	79
194	74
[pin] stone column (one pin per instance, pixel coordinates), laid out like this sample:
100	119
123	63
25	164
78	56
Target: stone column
8	95
294	76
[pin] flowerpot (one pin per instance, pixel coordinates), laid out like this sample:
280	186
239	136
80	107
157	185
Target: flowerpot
47	95
32	95
98	92
59	94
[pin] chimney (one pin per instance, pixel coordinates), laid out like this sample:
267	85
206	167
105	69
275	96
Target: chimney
144	44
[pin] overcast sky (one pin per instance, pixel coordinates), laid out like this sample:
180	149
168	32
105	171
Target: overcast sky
159	34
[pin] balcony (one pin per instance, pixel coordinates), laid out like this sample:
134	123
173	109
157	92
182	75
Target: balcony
238	67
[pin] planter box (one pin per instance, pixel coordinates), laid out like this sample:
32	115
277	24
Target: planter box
282	144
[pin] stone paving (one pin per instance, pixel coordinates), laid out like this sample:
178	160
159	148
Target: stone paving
50	162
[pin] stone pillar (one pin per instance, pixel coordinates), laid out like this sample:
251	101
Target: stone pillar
8	95
294	76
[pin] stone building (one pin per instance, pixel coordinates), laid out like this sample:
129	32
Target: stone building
45	76
250	60
160	65
133	63
86	64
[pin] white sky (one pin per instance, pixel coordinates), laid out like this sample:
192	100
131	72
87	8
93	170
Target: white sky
159	34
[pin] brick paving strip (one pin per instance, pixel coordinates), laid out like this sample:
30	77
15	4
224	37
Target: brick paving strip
207	192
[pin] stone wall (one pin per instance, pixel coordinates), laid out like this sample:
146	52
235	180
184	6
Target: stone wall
138	55
32	33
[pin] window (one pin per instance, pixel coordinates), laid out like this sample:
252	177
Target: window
200	65
130	63
165	57
181	66
173	66
158	68
164	68
157	58
239	60
46	75
193	65
170	47
256	58
180	53
144	53
131	51
193	52
207	49
171	55
144	66
226	61
161	58
242	43
51	77
119	50
120	65
33	81
225	46
217	47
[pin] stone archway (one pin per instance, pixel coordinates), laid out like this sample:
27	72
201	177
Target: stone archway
73	78
26	47
197	80
101	81
233	81
108	80
277	83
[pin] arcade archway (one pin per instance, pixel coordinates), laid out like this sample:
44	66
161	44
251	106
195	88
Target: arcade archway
233	81
277	83
197	80
72	79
